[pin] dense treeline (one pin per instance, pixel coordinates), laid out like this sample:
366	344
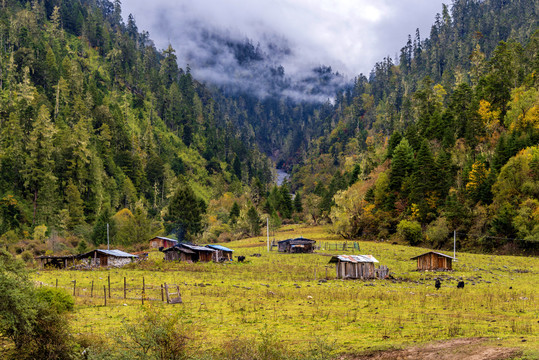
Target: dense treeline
98	126
445	139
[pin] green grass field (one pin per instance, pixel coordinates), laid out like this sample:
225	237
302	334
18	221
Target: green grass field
280	295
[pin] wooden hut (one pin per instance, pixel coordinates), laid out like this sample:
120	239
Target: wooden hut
178	253
59	262
162	242
221	253
298	245
358	267
100	257
188	252
433	261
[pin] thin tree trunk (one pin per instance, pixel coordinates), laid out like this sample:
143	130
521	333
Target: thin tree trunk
35	207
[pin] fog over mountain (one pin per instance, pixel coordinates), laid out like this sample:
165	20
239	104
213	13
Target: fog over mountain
294	47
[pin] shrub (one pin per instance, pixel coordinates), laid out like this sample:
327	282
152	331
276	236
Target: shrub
32	319
154	336
57	299
27	257
410	231
40	232
437	232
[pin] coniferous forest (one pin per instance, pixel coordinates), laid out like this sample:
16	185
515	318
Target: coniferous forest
98	126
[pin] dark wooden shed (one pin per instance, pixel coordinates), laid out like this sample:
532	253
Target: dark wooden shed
433	261
297	245
178	253
162	242
58	262
188	252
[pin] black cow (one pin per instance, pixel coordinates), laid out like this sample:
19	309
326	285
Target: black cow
437	284
241	258
460	285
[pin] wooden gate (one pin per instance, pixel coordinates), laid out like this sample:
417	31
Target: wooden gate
170	295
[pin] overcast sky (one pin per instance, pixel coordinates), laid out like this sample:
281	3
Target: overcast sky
349	35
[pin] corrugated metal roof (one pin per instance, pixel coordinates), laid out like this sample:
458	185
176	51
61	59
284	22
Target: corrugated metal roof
117	253
59	257
180	249
219	247
299	240
353	259
432	252
196	248
165	238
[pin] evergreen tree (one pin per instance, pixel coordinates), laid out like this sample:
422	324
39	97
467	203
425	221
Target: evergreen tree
99	232
285	207
298	206
253	220
185	210
234	213
38	170
75	205
401	165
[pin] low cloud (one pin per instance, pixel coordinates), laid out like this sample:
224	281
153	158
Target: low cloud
215	38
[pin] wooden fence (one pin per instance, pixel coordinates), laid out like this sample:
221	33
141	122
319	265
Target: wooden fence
169	293
329	246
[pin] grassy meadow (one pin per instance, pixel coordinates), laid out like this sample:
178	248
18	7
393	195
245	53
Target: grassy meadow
281	296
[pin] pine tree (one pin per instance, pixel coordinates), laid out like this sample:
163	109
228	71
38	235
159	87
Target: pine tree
234	213
423	176
99	232
75	205
185	210
38	170
298	206
401	165
253	220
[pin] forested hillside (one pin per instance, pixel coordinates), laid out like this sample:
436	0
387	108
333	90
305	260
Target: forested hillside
442	139
98	126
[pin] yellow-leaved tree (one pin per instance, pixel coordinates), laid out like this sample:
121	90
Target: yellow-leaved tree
523	113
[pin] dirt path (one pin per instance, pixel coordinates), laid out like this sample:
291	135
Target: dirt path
462	349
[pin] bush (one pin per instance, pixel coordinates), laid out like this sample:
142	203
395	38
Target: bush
154	336
40	232
27	257
32	319
410	231
438	232
57	299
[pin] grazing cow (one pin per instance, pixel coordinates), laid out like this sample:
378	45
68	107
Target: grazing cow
241	258
437	284
460	285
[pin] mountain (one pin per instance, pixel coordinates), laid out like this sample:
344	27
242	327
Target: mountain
99	127
96	121
430	137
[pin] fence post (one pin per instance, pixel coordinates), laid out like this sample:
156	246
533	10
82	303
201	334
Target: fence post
57	283
143	290
74	286
105	294
125	288
109	285
92	291
166	291
162	293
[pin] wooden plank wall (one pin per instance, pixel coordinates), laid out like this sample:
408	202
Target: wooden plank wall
348	270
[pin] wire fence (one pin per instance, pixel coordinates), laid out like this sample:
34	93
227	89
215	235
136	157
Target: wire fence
105	292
